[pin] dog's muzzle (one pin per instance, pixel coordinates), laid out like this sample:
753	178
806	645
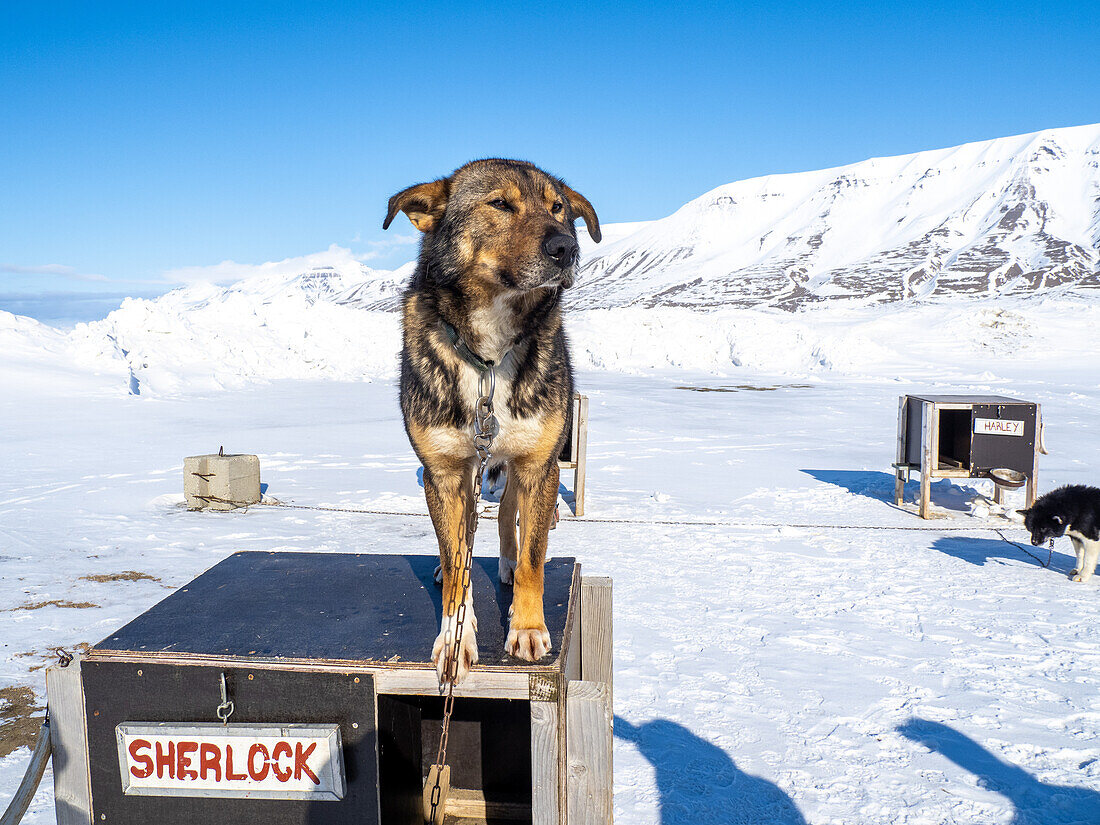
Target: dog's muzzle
561	249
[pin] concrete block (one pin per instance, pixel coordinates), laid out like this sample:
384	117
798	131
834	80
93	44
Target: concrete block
221	482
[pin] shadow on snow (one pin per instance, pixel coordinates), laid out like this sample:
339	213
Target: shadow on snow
699	783
979	551
1036	803
949	494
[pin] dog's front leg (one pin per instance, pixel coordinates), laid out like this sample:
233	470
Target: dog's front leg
1079	552
536	491
447	488
1091	555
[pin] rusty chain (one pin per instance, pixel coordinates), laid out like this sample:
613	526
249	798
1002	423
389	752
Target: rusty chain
486	428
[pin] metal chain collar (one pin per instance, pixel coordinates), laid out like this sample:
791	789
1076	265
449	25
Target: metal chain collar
486	428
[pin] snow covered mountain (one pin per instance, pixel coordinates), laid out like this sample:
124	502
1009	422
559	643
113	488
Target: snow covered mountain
1006	216
873	249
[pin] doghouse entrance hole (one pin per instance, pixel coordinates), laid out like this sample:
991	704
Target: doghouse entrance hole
954	447
489	752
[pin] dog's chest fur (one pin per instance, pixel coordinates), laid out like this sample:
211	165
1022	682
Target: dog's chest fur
496	327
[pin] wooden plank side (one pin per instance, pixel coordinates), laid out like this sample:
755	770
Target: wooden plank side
69	738
589	758
899	474
574	633
929	458
483	684
1032	490
596	630
581	449
545	809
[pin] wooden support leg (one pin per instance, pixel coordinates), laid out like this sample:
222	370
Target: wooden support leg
581	442
69	738
596	665
1033	476
899	484
929	458
545	749
589	749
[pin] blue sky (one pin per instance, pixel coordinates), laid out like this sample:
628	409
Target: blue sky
140	143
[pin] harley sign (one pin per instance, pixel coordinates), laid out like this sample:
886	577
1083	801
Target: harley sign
211	759
998	426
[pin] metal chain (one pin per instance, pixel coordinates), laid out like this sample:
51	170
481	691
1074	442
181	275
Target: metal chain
486	428
947	528
1050	549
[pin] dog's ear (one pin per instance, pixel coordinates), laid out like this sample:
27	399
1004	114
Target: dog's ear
582	208
423	203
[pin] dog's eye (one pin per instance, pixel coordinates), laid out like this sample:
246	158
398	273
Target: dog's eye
556	208
501	204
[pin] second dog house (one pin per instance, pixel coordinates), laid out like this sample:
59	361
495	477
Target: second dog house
967	436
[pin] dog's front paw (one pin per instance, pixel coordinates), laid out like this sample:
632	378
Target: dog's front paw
1080	577
443	650
529	643
1075	574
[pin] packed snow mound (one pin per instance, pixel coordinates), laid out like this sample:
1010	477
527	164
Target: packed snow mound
1007	216
189	344
22	336
871	341
208	338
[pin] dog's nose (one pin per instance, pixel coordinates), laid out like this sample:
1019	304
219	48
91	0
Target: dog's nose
562	249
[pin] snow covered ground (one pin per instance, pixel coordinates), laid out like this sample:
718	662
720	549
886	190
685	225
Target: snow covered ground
789	647
764	673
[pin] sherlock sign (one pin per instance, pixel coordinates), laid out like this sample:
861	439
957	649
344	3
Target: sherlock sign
244	761
998	426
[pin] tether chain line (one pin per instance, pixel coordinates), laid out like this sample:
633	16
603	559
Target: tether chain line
660	522
1050	555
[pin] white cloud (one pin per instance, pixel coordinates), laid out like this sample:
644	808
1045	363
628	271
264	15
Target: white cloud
376	249
226	272
52	269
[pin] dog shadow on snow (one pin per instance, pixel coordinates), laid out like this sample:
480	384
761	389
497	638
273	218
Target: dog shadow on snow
1035	802
979	551
699	782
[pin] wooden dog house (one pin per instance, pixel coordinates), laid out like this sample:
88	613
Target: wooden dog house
966	436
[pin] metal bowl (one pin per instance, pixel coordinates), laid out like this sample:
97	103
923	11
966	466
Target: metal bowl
1011	479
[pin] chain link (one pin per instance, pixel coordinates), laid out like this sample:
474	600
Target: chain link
486	428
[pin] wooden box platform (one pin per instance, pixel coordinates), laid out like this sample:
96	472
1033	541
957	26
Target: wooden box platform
344	639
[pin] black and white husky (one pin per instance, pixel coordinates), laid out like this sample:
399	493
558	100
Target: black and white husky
1072	511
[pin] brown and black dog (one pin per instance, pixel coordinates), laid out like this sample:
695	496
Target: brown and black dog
499	247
